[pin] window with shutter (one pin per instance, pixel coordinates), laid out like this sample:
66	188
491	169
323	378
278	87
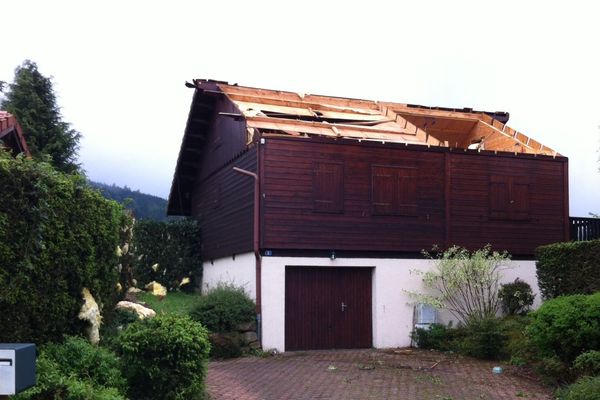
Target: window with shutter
394	190
328	187
509	198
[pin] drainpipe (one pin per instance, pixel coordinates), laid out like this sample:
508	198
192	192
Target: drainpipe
256	250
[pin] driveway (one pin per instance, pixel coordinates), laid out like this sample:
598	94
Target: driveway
407	374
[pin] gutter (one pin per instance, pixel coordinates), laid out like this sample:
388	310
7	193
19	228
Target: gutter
256	248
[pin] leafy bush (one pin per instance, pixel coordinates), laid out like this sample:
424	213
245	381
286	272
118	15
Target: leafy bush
516	297
76	370
174	246
485	338
588	363
165	358
568	268
587	388
567	326
113	326
57	236
223	308
518	349
437	337
465	283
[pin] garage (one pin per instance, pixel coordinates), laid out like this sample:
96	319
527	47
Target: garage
327	308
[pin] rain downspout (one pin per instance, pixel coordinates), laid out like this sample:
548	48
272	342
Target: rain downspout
256	250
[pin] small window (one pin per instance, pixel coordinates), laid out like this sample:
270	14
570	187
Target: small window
509	198
394	190
328	187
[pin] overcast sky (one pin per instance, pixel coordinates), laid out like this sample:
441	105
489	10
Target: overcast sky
119	68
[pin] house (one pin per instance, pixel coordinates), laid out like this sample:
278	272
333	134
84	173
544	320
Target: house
320	206
11	134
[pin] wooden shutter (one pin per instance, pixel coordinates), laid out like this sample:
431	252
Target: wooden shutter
519	199
407	191
509	198
328	187
394	190
383	186
499	197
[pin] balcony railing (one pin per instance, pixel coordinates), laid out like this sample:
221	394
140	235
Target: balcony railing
584	228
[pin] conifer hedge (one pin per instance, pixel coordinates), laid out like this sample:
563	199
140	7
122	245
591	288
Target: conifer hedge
167	252
568	268
57	236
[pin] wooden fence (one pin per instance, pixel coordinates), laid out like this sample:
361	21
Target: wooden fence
584	228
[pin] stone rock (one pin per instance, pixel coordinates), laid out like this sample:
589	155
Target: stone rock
91	313
156	289
246	326
141	311
250	337
254	345
225	344
184	281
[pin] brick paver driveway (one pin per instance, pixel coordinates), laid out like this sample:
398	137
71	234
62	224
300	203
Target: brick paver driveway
366	374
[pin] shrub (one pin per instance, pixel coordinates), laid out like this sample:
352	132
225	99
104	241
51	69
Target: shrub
588	363
587	388
223	308
516	297
567	326
568	268
518	348
174	246
465	283
57	236
485	338
113	326
165	358
437	337
76	370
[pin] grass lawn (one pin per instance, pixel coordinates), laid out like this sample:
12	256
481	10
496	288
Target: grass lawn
174	303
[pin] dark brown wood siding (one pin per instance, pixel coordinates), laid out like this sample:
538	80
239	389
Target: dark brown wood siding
223	205
226	138
327	308
290	222
515	203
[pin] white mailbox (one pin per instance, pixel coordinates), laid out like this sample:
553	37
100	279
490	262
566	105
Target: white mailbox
17	367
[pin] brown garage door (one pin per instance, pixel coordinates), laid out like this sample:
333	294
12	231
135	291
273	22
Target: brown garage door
327	308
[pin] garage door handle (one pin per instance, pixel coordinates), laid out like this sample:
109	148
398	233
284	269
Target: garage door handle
344	306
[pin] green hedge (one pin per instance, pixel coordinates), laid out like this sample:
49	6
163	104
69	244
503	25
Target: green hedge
165	358
568	268
173	245
57	236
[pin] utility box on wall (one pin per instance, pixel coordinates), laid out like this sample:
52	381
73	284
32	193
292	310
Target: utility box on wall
17	367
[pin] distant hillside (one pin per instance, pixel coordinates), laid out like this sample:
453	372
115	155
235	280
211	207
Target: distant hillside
144	206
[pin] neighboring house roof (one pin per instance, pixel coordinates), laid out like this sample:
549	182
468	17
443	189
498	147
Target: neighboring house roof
299	114
11	134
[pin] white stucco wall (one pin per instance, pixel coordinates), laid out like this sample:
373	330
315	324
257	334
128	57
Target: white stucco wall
239	271
392	305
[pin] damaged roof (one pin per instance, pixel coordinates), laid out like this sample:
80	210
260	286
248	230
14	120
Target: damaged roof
269	113
11	134
299	114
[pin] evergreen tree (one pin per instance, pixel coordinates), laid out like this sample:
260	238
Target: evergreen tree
31	99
